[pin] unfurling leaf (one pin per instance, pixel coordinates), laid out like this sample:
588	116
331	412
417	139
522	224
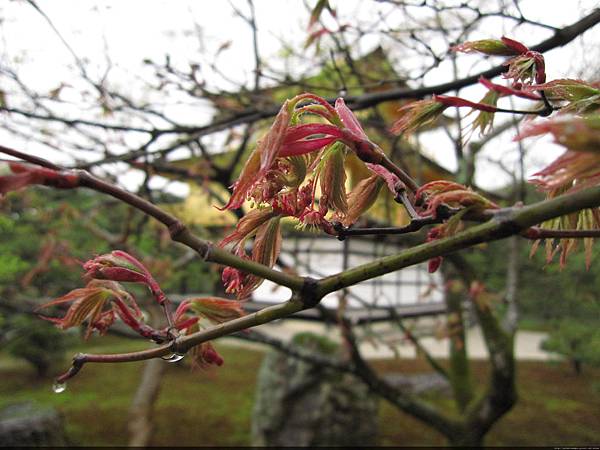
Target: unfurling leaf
215	309
349	119
485	119
267	246
296	142
581	97
121	266
261	159
16	175
296	174
275	173
248	225
574	170
451	194
573	132
416	115
526	68
436	187
492	47
459	102
332	180
392	181
584	220
204	356
116	266
459	199
316	12
89	304
361	198
446	229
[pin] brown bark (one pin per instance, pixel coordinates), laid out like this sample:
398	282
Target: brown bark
142	408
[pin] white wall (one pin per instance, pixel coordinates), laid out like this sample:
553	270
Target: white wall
319	256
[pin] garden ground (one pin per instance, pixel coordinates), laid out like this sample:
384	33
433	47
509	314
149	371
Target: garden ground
214	407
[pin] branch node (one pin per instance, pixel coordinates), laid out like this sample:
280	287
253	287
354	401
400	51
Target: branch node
308	293
78	361
402	198
175	229
506	219
340	230
177	345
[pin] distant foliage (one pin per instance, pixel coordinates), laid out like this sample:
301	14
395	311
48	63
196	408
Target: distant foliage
576	341
40	344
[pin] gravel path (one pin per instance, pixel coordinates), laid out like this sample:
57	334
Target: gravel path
527	343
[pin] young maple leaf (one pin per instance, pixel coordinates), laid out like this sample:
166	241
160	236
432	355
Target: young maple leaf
492	47
16	175
264	225
580	97
584	220
576	169
261	159
577	133
96	304
433	188
204	356
121	266
361	198
454	195
266	175
526	91
215	309
446	229
247	227
417	114
296	142
117	266
332	178
525	66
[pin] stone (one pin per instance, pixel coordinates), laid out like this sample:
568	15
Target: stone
29	425
420	383
302	404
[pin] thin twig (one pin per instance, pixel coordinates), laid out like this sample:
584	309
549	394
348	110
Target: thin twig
414	225
178	231
402	197
505	223
543	233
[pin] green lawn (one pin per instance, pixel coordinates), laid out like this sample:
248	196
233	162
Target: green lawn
214	408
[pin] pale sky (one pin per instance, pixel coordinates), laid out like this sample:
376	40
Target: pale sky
134	30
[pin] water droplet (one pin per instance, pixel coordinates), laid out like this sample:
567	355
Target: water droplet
173	357
59	387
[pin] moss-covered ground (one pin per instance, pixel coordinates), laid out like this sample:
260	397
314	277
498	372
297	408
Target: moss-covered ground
214	408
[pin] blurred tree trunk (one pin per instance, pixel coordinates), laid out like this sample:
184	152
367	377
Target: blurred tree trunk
141	410
142	407
511	317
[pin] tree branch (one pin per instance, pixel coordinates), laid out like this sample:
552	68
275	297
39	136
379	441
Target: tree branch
560	38
178	231
505	222
308	292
